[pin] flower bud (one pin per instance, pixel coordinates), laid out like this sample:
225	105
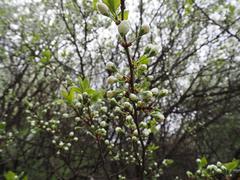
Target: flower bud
134	138
66	148
71	133
129	118
142	67
189	174
143	124
158	116
103	124
78	104
103	9
110	93
135	132
107	141
144	29
133	97
164	92
111	67
65	115
101	132
198	160
218	170
118	130
155	91
117	110
123	27
127	106
61	144
103	109
119	76
147	95
113	102
77	119
150	77
140	104
219	164
111	80
146	132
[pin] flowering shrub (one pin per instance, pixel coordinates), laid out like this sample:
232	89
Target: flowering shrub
121	119
214	171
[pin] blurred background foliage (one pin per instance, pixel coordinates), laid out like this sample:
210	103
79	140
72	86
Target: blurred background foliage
47	45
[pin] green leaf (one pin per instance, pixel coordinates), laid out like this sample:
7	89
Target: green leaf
10	175
46	56
219	63
153	125
190	2
84	84
36	38
203	162
2	126
143	60
232	165
187	10
59	101
69	96
168	162
113	5
125	15
152	147
47	53
44	60
95	94
94	4
75	89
